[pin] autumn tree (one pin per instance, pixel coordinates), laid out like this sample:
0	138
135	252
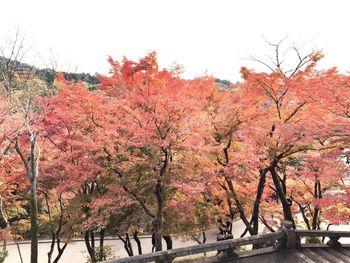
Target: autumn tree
20	88
285	123
156	116
75	136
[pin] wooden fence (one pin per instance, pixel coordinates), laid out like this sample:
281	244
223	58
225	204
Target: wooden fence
286	237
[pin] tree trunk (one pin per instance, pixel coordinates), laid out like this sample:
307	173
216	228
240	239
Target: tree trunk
157	222
127	244
89	247
306	220
204	238
318	195
282	196
92	240
138	242
102	252
60	253
33	202
19	252
169	242
256	208
52	247
31	168
239	205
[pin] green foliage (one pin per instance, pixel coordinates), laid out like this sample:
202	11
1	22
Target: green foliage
312	240
268	243
240	249
3	255
104	254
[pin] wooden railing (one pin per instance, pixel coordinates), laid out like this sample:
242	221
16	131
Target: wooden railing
169	255
286	237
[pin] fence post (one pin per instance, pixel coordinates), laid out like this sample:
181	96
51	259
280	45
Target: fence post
333	242
292	240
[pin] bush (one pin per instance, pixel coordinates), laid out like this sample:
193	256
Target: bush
312	240
106	253
3	255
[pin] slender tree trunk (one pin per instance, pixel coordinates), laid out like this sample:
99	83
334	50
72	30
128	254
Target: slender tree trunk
52	247
204	238
92	239
318	195
127	244
157	222
168	241
31	168
256	208
60	253
89	248
306	220
138	242
282	196
239	205
33	202
102	252
19	252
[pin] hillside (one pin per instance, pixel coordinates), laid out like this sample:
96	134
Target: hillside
91	81
47	74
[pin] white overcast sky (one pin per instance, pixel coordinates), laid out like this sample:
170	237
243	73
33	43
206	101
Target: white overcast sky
210	36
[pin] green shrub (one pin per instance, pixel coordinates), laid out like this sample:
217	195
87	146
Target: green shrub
3	255
106	253
312	240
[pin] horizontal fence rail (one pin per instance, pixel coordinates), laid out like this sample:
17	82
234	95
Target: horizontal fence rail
168	255
287	237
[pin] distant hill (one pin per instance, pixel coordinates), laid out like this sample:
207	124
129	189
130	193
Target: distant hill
223	82
92	81
47	74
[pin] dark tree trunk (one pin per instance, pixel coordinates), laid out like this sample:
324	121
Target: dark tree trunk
282	196
89	248
92	239
256	208
127	244
60	252
204	238
157	222
318	195
138	242
239	205
102	238
169	242
52	247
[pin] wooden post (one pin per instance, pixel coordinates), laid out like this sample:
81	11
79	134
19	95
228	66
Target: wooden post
291	238
333	242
